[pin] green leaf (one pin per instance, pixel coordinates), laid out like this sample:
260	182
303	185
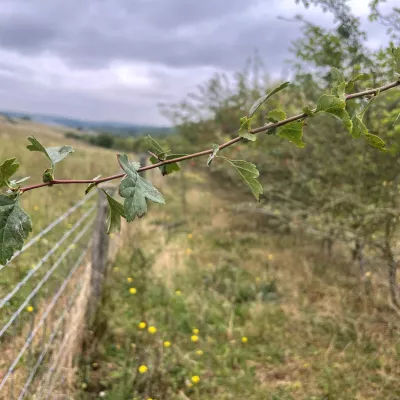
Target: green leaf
15	226
135	190
276	115
336	75
244	130
168	169
256	105
375	141
92	185
359	77
156	148
54	154
7	170
332	105
115	212
292	132
48	175
340	91
309	111
14	184
359	129
215	148
249	173
395	52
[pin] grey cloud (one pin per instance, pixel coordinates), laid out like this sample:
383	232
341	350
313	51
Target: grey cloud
177	33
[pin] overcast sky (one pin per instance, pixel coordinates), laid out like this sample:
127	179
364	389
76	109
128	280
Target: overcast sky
116	59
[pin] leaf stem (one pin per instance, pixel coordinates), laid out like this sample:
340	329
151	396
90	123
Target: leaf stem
263	128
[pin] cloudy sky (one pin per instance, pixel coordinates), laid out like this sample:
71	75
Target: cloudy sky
116	59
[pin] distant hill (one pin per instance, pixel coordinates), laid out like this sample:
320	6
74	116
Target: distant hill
117	128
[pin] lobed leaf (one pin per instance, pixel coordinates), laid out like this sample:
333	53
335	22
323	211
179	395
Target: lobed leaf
249	174
333	105
276	115
337	75
54	154
136	190
256	105
115	212
244	130
15	226
359	129
92	185
215	148
7	170
309	111
292	132
375	141
168	169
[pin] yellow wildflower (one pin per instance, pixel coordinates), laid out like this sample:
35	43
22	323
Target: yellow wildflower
132	290
167	343
142	325
142	369
194	338
195	331
195	379
297	385
199	352
244	339
129	279
29	308
152	329
178	292
190	236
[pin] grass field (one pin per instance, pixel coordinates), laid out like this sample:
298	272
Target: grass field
273	318
229	310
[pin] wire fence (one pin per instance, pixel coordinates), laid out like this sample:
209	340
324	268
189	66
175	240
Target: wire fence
41	312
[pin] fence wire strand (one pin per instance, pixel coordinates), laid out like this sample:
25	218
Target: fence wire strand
42	319
49	228
44	279
18	286
34	342
58	323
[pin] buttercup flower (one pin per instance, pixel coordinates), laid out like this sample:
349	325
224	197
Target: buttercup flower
199	352
129	279
152	329
244	339
178	292
194	338
132	290
142	369
195	331
29	308
195	379
142	325
167	343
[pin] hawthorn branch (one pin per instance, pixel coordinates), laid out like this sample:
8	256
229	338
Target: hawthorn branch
264	128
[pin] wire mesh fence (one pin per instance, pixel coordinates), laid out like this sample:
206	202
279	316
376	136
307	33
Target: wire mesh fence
43	299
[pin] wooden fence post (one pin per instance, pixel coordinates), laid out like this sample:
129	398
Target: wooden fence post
100	242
